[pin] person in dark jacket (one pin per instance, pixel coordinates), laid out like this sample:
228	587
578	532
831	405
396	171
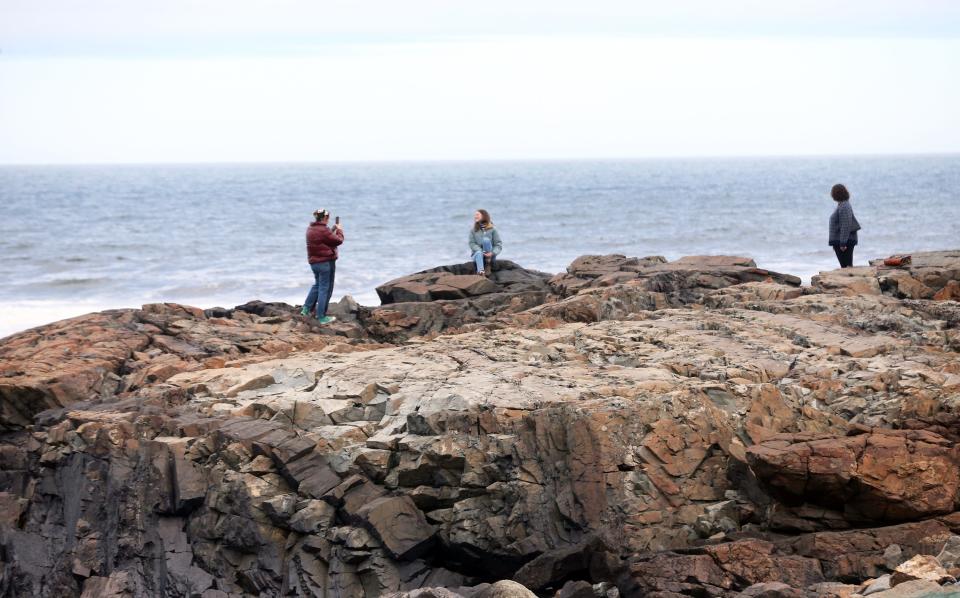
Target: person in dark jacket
322	243
843	226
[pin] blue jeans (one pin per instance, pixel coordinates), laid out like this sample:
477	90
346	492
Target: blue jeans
478	255
322	289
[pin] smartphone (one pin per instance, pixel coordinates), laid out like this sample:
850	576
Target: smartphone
336	220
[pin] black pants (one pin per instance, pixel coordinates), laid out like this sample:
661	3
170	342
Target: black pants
845	257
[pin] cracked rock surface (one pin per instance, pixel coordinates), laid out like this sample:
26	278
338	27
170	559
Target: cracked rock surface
632	427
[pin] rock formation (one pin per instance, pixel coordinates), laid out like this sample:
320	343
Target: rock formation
632	427
450	297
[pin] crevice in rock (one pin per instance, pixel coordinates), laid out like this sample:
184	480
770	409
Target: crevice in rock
486	567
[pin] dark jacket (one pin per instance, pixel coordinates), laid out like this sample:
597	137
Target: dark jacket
322	243
843	225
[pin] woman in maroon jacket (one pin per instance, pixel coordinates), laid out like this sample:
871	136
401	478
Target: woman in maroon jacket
322	243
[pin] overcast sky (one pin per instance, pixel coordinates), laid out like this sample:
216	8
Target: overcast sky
220	81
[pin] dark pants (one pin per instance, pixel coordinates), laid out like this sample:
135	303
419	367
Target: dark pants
845	257
322	289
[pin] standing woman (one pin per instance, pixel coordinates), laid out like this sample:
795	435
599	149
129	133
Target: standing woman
484	241
843	226
322	243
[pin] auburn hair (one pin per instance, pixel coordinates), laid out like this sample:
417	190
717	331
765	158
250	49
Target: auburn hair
484	221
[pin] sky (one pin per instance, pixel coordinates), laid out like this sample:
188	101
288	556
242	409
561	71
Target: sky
131	81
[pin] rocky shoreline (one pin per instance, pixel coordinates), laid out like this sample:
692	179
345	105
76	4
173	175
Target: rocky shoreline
631	427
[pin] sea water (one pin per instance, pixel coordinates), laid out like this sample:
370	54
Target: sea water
75	239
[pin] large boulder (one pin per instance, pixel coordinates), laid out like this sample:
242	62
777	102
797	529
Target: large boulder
714	569
399	524
450	297
933	275
859	554
676	575
460	281
613	287
589	271
683	279
778	568
885	475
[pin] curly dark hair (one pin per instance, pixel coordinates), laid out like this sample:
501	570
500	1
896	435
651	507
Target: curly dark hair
839	193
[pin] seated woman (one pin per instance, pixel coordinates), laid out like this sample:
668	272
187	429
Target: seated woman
484	241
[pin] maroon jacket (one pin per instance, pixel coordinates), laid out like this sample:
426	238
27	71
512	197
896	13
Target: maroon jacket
322	243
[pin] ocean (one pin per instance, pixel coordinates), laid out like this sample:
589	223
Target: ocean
75	239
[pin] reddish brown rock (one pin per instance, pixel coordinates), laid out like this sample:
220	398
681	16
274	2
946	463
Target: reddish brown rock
118	352
857	555
772	589
831	589
612	287
950	292
450	297
62	363
875	474
600	271
680	574
756	561
251	452
682	281
928	274
459	281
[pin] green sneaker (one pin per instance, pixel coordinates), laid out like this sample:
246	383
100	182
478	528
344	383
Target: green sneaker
327	319
304	312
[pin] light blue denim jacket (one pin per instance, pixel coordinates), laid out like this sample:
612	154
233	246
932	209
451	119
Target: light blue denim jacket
476	238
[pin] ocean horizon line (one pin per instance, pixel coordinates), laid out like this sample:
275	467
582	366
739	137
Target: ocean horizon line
528	160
